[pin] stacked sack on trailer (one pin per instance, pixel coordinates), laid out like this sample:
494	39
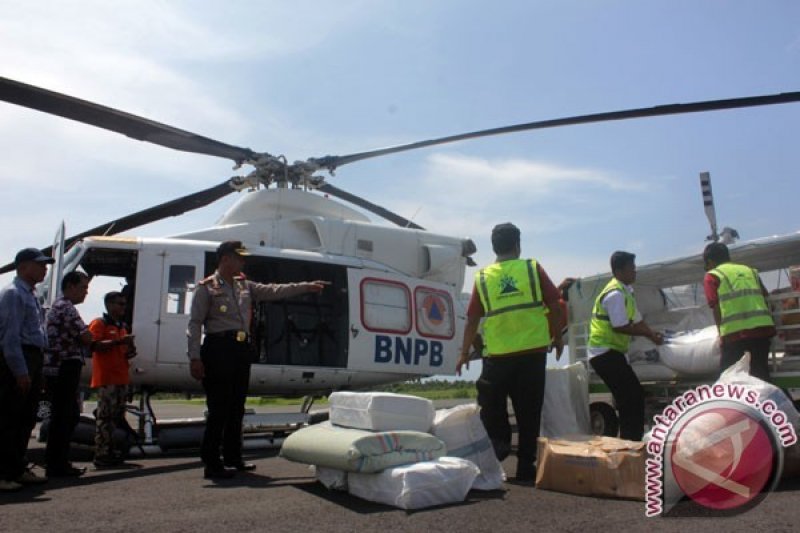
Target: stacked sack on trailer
395	449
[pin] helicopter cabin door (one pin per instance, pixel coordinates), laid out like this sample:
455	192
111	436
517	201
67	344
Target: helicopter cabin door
180	269
401	325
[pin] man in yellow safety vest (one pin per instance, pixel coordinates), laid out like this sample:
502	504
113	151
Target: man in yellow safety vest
518	302
615	320
738	299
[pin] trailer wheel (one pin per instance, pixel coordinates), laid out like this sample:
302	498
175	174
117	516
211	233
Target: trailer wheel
603	419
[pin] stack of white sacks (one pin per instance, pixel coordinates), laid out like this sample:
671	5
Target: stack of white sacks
395	449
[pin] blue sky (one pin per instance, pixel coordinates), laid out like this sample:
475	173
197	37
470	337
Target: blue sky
310	78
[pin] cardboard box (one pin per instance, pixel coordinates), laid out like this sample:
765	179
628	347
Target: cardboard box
596	466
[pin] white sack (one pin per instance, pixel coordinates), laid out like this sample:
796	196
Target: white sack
357	450
692	353
331	478
446	480
653	371
566	402
462	431
646	362
381	411
739	373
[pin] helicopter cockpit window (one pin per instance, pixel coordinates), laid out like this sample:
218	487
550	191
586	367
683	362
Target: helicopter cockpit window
385	306
179	293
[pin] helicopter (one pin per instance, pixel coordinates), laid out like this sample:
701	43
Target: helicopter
393	311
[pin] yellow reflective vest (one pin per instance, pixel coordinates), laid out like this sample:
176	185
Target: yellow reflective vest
741	303
601	332
515	314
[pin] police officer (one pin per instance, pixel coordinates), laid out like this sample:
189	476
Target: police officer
222	306
615	320
738	300
22	342
519	303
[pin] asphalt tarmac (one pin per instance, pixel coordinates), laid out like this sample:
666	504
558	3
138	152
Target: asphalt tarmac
168	493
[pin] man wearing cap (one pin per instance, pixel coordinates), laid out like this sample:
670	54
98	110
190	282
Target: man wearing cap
222	308
22	341
521	309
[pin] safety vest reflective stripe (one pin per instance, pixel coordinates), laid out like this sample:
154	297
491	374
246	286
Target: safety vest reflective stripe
487	302
741	301
601	332
533	279
516	318
747	314
531	305
737	294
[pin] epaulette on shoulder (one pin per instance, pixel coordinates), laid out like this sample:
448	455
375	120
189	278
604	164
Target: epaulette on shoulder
205	281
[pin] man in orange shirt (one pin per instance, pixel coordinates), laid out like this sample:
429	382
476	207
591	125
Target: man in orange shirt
112	348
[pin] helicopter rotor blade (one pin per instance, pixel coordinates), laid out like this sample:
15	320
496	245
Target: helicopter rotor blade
332	162
708	203
172	208
117	121
369	206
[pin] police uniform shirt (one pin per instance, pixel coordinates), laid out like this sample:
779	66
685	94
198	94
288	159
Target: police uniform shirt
219	306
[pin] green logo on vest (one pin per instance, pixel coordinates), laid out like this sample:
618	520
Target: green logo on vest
508	285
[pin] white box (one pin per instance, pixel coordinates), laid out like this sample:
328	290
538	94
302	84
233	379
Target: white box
381	411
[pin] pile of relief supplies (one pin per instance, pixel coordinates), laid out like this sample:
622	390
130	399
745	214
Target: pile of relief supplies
397	450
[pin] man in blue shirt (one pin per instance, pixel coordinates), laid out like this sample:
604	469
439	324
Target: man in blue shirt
22	341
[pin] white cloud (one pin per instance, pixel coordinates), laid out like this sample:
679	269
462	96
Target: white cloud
465	195
519	176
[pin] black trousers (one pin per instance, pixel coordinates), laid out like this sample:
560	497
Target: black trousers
18	414
759	355
522	379
614	370
227	377
64	413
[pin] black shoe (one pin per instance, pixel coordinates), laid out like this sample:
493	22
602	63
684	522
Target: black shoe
66	471
526	474
241	466
28	477
218	472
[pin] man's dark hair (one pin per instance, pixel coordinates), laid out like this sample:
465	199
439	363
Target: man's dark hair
111	296
505	238
717	252
73	278
620	260
231	248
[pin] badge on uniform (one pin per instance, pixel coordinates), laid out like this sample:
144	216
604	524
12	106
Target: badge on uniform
241	336
223	308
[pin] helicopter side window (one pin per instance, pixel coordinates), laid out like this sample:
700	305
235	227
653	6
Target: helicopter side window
179	292
385	306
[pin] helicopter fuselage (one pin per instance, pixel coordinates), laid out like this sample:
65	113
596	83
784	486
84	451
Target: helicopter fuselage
391	313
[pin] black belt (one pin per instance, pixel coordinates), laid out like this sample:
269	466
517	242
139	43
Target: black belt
231	334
